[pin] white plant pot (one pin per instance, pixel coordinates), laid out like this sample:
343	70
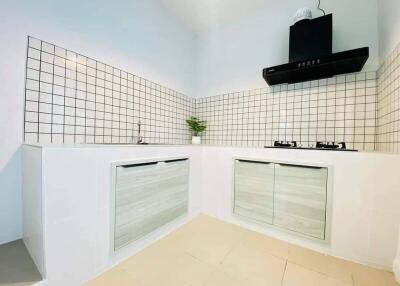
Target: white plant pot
196	140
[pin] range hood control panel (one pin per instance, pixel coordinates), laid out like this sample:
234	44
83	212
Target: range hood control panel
308	63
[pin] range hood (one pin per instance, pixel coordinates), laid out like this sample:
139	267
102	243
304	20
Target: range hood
311	57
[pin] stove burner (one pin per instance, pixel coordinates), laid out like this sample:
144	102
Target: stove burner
292	144
320	145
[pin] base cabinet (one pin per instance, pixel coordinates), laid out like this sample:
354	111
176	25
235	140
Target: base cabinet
300	199
148	196
291	197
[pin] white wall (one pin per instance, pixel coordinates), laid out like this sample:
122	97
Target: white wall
231	57
138	36
389	26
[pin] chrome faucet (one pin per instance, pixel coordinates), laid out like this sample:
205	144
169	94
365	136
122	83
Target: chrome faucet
139	138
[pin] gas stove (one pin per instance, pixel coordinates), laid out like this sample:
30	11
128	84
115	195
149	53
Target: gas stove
332	146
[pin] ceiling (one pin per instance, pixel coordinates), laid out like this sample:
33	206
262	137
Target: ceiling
201	15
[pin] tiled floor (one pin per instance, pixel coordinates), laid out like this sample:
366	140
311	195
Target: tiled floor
16	266
210	252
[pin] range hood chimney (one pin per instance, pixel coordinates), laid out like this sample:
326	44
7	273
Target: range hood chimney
311	57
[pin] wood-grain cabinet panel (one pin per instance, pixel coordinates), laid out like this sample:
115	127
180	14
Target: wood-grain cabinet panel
147	197
254	186
292	197
300	199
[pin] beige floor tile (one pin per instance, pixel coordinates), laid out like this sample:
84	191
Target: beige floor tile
254	267
219	278
208	239
296	275
367	276
325	264
209	252
114	277
207	223
168	246
146	264
262	242
181	269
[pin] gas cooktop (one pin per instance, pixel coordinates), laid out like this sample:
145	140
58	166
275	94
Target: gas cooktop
331	146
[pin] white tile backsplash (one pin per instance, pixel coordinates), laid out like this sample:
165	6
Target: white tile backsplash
388	111
70	98
338	109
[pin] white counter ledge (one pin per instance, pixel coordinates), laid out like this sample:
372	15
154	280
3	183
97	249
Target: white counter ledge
106	145
202	146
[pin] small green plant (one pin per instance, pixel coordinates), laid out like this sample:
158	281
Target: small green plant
196	125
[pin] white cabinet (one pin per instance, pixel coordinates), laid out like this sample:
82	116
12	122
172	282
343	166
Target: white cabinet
300	199
147	196
254	187
291	197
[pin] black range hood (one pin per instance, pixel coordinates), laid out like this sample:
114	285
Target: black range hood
311	57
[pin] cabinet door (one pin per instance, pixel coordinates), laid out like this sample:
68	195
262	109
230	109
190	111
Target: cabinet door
147	196
300	199
254	185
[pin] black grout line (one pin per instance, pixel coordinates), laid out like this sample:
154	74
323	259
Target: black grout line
38	116
25	79
86	92
95	110
76	94
52	101
65	92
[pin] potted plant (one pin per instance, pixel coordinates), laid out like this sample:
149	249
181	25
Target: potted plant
197	126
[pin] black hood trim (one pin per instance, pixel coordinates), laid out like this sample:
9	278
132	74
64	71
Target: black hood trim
318	68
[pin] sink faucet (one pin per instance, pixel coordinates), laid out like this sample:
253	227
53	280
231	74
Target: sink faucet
139	138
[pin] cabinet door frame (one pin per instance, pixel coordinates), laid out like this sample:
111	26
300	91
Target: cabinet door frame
113	181
329	197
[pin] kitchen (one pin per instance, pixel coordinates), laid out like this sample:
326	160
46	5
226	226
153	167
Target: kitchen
205	144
